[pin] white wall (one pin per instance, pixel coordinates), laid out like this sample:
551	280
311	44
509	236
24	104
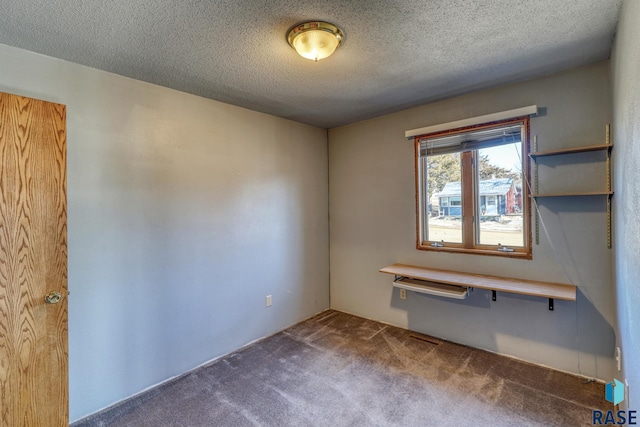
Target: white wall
626	131
372	225
184	213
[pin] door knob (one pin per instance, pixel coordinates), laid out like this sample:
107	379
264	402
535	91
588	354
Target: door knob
52	297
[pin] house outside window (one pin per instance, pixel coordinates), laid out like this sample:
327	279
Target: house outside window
471	190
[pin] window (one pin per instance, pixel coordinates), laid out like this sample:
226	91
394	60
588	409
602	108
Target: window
472	194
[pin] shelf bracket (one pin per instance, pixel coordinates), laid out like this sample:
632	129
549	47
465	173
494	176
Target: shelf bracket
493	295
550	304
609	222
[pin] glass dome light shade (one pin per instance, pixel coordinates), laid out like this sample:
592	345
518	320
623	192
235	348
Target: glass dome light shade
315	40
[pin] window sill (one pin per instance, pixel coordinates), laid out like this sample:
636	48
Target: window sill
476	251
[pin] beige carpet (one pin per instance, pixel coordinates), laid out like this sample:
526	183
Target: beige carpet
341	370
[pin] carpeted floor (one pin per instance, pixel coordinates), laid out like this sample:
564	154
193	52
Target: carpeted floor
336	369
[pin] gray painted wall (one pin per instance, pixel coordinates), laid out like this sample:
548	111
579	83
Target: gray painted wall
184	213
372	225
626	131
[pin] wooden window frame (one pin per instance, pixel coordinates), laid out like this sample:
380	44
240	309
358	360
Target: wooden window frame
469	243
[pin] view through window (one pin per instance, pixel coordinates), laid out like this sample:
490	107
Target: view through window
472	189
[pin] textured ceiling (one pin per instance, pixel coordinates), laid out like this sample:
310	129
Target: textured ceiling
397	53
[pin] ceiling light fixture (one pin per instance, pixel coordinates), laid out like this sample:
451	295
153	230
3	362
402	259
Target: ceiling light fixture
315	40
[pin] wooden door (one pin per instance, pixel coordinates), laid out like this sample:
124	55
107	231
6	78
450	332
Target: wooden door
33	262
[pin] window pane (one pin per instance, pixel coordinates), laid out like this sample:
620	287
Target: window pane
500	195
443	216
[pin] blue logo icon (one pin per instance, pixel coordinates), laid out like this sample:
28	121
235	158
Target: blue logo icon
614	392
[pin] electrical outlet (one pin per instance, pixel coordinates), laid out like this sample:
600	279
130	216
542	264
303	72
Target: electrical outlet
267	301
403	294
618	359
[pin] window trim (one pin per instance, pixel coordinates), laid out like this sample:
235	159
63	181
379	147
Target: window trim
469	232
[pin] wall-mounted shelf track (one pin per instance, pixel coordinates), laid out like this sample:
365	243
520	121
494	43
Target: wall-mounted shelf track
607	146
